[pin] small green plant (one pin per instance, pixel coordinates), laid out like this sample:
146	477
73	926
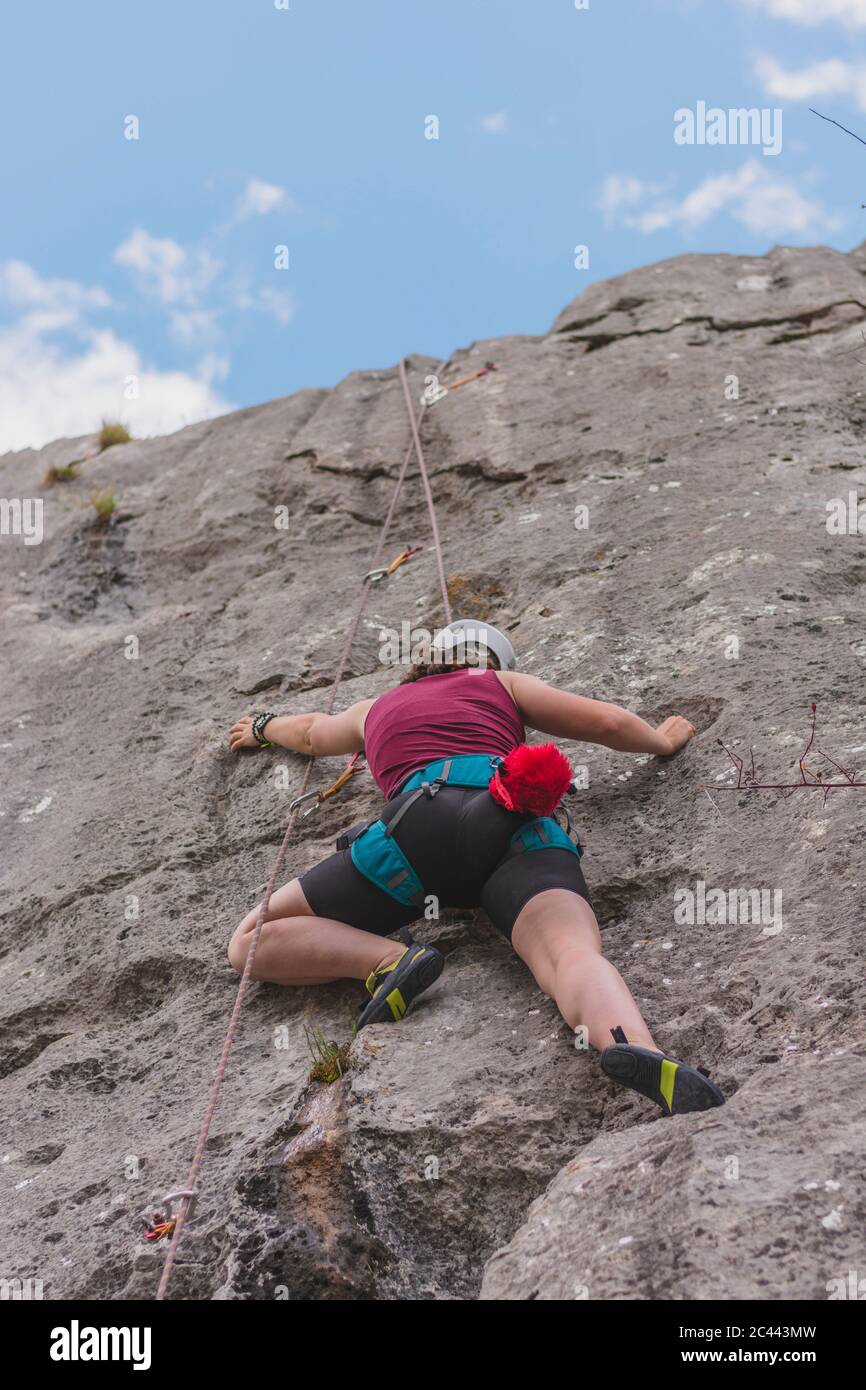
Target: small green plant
105	505
330	1059
112	432
61	473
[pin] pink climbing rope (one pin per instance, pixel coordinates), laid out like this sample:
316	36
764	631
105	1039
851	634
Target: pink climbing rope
419	453
188	1196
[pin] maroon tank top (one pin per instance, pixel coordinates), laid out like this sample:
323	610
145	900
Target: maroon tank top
457	712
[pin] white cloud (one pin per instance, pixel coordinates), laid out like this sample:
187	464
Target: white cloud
20	284
624	190
620	190
761	200
259	198
279	304
160	262
832	77
167	269
851	13
496	123
59	375
194	327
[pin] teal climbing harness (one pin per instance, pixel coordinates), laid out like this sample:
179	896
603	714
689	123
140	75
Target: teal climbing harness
462	770
376	854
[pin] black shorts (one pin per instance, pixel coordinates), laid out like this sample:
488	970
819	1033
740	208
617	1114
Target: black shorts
457	844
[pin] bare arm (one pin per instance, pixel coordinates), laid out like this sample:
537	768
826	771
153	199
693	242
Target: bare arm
565	715
319	735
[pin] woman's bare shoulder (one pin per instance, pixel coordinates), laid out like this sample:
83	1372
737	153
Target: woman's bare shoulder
362	709
507	678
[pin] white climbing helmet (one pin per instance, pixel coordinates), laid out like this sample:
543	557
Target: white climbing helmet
467	636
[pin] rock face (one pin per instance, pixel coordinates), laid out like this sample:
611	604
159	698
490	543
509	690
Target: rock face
640	498
758	1201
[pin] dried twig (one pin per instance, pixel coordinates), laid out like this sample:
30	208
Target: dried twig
748	780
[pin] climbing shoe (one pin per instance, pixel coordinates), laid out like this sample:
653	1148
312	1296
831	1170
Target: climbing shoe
395	988
675	1086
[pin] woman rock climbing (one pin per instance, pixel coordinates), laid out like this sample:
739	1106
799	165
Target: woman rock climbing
467	824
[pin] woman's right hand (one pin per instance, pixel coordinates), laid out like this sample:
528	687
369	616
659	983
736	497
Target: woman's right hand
676	732
241	734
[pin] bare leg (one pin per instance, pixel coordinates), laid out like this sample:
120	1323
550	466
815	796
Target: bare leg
556	934
296	948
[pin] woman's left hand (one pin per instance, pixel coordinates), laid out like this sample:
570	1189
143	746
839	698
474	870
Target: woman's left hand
241	734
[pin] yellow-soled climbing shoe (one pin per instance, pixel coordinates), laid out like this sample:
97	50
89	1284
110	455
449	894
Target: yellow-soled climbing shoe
396	988
675	1086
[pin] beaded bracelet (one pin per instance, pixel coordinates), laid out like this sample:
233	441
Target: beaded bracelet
258	729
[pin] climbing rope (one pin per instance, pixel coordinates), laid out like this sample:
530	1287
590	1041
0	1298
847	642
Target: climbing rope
188	1194
446	601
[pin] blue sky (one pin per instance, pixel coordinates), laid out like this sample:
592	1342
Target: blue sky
138	277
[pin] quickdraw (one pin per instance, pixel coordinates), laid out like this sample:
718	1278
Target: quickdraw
352	767
162	1224
382	572
473	376
346	775
161	1227
436	390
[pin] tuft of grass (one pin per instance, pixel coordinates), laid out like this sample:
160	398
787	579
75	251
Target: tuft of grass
112	432
105	505
330	1059
61	473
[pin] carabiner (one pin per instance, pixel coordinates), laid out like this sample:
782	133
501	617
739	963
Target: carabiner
383	571
170	1197
299	801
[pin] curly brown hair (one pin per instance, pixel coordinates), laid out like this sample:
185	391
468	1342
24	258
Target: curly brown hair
420	669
